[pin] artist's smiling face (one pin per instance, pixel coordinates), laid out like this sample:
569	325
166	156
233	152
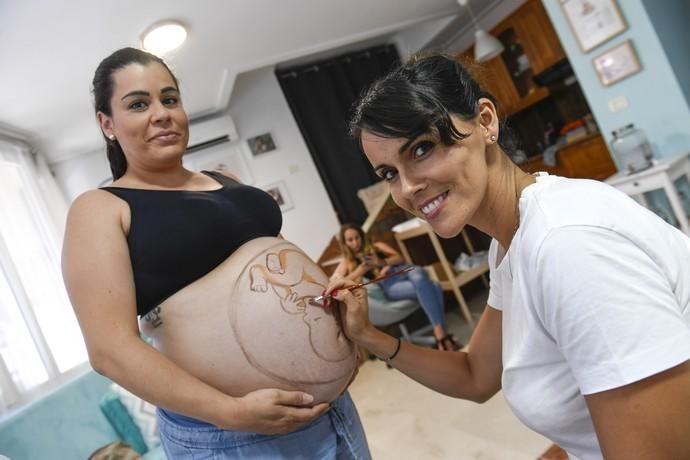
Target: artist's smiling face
442	184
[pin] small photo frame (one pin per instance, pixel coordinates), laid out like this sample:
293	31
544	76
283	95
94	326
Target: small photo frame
617	63
279	192
261	144
593	21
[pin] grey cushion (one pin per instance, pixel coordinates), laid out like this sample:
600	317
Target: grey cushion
391	311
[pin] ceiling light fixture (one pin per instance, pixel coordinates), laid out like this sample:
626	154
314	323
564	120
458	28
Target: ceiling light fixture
163	37
486	46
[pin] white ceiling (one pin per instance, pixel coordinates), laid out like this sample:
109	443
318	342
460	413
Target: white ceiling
50	49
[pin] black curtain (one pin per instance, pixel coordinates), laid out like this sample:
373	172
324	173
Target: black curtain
320	95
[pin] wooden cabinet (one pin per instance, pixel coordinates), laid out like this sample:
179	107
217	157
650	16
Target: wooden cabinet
586	158
536	164
531	46
494	77
537	35
498	83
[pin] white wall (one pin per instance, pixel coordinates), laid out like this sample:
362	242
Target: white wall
412	39
257	106
81	173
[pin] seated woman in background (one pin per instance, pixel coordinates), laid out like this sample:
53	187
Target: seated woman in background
364	259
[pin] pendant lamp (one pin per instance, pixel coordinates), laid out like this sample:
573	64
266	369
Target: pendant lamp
486	46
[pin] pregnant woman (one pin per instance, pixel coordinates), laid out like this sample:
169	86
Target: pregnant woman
243	364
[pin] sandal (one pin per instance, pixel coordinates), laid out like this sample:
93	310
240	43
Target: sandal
447	343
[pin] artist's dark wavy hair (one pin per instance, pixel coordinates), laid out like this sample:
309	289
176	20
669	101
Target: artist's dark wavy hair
103	88
419	98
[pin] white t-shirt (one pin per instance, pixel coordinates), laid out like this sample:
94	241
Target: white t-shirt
595	294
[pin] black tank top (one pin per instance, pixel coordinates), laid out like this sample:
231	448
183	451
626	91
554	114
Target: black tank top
177	236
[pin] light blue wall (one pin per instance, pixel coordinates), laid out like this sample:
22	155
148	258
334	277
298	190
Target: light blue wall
671	20
657	103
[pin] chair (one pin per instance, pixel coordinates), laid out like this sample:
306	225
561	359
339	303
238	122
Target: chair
386	313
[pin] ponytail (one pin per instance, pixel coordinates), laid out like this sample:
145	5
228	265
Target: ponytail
116	158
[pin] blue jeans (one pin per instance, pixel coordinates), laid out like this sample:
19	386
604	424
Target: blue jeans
336	435
417	285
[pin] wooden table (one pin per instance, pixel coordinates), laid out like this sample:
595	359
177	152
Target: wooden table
663	175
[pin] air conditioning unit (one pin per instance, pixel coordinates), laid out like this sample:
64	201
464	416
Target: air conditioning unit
209	132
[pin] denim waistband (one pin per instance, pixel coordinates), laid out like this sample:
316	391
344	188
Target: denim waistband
338	432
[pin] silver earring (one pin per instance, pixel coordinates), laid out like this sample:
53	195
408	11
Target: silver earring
111	137
493	138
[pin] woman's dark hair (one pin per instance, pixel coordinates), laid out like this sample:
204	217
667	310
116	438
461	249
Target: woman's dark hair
418	98
103	88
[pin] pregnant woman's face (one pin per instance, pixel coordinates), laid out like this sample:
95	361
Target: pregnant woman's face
271	310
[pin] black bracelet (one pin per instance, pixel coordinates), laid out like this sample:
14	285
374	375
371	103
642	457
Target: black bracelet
395	353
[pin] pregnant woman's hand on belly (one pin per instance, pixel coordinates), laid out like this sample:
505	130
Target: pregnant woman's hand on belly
272	411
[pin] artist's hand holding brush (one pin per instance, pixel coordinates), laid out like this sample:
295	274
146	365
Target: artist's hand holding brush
352	305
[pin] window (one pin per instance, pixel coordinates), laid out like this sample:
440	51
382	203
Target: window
40	341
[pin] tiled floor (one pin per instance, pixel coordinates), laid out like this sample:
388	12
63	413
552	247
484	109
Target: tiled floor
404	420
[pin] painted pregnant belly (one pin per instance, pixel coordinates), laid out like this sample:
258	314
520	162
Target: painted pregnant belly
281	333
249	324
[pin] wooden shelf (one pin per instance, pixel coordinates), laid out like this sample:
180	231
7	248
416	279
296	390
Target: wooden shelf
422	229
529	100
465	277
453	280
332	261
584	158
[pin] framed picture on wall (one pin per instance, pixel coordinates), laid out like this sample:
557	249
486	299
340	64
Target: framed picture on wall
279	192
261	144
617	63
593	21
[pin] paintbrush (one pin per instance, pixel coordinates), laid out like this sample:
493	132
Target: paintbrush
357	286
